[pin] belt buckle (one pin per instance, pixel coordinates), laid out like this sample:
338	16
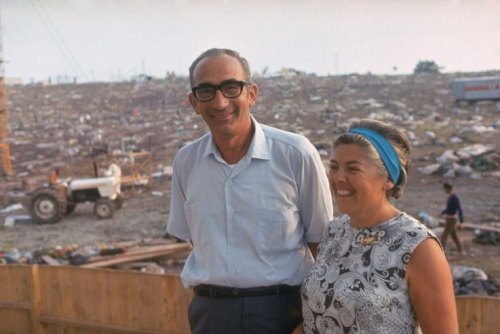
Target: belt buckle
234	292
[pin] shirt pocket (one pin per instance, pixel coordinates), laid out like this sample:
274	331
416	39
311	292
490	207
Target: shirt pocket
278	229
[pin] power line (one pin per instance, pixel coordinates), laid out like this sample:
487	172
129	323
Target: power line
58	39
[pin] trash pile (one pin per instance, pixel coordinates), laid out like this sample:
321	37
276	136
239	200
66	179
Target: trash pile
55	123
474	281
469	160
133	255
487	238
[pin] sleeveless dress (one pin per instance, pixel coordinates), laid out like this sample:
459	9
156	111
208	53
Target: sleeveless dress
358	282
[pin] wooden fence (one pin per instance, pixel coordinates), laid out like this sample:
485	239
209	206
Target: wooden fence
73	300
478	315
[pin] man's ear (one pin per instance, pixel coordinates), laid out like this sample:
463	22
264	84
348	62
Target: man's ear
253	92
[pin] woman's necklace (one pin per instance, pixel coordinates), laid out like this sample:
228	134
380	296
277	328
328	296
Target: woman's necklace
368	240
367	237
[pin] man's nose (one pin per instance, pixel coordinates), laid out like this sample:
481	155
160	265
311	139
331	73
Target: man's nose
219	101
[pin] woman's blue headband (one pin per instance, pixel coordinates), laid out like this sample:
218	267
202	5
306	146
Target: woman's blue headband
384	149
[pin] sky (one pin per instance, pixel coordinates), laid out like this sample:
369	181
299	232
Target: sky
111	40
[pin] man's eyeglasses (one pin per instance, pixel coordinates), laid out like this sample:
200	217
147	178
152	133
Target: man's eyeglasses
229	89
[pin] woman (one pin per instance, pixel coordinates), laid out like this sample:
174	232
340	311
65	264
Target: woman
378	270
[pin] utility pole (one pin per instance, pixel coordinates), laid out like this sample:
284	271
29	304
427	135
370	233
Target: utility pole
4	133
336	65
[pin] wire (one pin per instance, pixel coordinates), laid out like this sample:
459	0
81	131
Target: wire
58	39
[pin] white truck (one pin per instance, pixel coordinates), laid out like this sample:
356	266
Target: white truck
476	89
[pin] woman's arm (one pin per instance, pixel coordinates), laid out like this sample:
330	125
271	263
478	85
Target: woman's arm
313	247
431	289
299	329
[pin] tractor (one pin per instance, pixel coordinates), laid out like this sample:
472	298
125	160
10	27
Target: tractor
49	204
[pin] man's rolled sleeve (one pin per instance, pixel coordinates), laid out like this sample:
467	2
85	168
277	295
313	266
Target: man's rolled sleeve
177	223
315	198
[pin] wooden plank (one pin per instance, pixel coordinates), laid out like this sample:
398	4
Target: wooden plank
15	299
75	300
128	258
485	226
478	314
78	300
15	321
16	305
35	301
160	247
132	248
15	283
93	325
140	254
178	299
133	300
143	267
50	260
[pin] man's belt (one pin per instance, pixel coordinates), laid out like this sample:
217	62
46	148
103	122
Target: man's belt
214	291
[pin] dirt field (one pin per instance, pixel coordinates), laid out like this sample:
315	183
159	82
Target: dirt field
418	104
145	213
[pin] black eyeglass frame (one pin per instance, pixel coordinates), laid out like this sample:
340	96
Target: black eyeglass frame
220	88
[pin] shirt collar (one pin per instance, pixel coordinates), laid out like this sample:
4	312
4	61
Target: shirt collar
258	148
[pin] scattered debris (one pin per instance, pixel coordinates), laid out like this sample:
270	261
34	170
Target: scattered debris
488	237
50	127
13	219
11	208
427	219
120	255
474	281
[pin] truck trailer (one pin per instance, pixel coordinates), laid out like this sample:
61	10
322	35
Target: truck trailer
476	89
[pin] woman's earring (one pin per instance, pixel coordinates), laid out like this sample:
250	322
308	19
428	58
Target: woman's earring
388	185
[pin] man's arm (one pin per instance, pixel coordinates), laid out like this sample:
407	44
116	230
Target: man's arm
315	199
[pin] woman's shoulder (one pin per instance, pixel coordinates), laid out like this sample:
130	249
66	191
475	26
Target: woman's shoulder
339	222
412	225
342	219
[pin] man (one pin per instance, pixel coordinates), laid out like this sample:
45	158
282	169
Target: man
115	171
450	213
251	198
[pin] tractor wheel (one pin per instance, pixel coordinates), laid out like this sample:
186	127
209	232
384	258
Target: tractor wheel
47	205
104	208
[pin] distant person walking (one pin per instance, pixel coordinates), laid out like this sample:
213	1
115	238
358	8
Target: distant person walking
451	214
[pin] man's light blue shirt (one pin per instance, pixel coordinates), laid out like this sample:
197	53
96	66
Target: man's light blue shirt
250	223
